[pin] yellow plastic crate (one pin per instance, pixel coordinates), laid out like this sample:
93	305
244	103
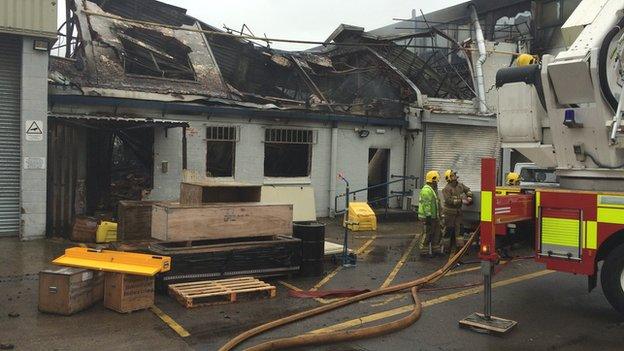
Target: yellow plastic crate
106	232
361	217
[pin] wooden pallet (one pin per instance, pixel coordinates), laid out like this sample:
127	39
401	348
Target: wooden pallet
215	292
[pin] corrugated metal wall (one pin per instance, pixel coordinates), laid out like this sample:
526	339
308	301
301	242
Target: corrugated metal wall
10	121
461	148
29	17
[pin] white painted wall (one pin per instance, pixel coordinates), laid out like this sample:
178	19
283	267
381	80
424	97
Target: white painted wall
249	158
34	105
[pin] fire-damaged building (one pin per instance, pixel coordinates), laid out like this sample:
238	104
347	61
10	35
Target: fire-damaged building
141	95
141	92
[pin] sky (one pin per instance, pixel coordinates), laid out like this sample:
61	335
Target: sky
303	20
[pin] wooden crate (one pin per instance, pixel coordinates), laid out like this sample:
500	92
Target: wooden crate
134	220
126	293
68	290
174	222
218	192
216	292
84	229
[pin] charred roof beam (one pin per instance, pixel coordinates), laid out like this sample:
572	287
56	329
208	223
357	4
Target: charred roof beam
310	83
400	74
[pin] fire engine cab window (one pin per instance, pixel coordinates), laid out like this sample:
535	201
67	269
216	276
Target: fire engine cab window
150	53
220	151
287	152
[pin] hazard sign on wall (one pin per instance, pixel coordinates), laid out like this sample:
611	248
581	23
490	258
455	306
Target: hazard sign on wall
34	130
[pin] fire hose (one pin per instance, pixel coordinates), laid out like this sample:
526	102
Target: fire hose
348	335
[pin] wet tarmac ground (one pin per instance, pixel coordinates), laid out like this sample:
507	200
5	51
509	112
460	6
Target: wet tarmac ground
554	311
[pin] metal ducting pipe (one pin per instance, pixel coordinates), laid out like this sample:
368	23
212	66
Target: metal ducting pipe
481	60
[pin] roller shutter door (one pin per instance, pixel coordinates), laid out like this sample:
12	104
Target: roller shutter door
10	82
461	148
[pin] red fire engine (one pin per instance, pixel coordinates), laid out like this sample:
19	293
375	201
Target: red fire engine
565	112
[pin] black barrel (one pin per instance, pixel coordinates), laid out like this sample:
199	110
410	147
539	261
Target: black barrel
312	236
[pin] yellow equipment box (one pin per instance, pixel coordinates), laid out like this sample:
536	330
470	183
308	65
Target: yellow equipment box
114	261
106	232
361	217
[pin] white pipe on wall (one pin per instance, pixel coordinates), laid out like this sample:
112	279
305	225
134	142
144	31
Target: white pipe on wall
333	169
481	60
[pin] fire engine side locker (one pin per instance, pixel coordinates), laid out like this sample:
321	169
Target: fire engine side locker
565	217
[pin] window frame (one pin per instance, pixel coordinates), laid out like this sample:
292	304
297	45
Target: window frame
232	136
290	136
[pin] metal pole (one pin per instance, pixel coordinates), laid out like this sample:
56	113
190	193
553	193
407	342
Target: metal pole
345	251
488	270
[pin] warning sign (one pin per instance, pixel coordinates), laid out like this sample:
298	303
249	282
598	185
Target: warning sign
34	131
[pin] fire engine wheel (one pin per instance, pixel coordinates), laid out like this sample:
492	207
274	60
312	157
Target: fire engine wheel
612	278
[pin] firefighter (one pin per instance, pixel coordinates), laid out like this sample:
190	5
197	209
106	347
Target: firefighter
512	179
455	195
429	212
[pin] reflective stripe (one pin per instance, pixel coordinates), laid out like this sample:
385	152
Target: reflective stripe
591	235
610	215
611	201
558	231
538	197
486	206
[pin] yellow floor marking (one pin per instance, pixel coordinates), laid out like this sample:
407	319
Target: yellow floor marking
462	271
333	273
390	299
402	296
292	287
389	236
326	279
405	309
401	262
365	246
170	322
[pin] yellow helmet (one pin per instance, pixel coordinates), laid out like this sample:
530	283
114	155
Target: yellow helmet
513	178
432	177
525	60
448	174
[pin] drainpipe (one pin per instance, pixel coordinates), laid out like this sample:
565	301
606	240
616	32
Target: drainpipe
480	60
333	171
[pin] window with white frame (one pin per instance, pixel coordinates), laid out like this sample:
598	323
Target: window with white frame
288	152
221	150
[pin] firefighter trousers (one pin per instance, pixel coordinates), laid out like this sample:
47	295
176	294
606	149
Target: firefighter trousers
431	235
453	229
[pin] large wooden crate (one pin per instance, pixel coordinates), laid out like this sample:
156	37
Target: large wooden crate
175	222
68	290
134	220
218	192
126	293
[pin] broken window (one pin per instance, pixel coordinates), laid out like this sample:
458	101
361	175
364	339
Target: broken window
288	152
220	151
150	53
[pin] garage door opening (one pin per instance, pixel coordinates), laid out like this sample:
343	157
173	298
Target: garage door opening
378	173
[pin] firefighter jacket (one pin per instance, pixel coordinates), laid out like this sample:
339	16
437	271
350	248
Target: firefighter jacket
428	203
453	193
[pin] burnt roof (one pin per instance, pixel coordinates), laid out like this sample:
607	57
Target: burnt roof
185	57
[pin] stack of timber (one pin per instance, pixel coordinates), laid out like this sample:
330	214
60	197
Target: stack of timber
177	222
216	259
218	292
